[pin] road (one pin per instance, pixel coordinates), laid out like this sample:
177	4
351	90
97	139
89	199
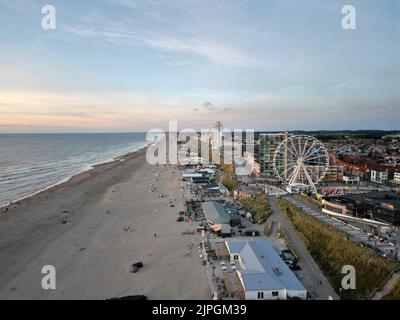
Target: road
310	274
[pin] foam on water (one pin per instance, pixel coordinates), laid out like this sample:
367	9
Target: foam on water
31	163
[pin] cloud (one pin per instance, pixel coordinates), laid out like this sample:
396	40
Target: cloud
17	5
208	105
213	51
182	63
71	109
132	4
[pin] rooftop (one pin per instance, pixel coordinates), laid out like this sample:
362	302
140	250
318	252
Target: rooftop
263	268
378	199
215	212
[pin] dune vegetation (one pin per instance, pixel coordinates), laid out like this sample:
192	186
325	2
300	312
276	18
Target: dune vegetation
332	249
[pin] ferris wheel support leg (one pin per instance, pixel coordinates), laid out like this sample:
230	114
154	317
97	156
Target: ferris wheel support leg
294	175
309	179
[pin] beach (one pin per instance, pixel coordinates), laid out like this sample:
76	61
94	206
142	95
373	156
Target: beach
93	228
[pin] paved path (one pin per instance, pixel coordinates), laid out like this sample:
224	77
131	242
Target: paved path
388	287
310	275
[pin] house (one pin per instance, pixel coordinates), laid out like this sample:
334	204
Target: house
262	273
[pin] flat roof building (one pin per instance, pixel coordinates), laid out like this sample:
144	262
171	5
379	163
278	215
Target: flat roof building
380	206
215	213
381	177
351	179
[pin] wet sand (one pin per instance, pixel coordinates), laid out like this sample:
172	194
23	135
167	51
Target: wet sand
92	228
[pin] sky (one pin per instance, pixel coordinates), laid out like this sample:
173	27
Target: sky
135	65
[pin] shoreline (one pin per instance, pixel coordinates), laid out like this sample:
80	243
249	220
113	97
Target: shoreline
91	168
94	227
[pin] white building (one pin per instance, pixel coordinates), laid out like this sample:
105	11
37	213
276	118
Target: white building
396	177
351	179
187	176
254	165
262	272
217	135
379	176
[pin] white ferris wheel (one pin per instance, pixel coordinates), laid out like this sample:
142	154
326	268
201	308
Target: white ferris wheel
301	162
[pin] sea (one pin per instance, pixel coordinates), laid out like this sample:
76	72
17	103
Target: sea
30	163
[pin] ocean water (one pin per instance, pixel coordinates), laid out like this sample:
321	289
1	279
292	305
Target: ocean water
30	163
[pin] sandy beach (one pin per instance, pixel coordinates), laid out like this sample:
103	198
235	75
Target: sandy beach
92	228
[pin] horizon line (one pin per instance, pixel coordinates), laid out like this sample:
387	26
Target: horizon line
198	131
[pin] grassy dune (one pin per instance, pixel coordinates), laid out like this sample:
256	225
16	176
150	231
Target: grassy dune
332	249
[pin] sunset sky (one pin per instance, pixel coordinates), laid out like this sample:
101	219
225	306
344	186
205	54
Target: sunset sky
132	65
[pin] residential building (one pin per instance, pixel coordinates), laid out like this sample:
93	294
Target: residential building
379	176
333	173
396	177
269	142
350	179
253	163
217	134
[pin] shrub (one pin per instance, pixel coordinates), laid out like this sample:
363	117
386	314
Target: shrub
258	207
268	228
229	183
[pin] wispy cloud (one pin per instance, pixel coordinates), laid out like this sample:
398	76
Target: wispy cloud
182	63
106	110
165	58
17	5
213	51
